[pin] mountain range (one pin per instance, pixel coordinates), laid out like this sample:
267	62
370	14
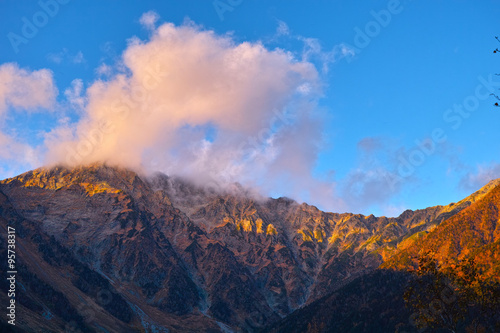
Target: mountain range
101	248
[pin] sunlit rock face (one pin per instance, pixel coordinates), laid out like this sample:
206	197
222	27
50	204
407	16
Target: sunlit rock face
130	252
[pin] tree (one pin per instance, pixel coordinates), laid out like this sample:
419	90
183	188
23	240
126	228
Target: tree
481	296
453	297
433	297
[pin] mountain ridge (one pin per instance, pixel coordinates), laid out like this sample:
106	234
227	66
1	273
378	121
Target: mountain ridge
466	250
240	261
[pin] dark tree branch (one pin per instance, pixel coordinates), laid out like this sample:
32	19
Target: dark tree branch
498	74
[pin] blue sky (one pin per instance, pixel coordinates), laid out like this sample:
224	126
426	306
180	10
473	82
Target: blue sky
392	74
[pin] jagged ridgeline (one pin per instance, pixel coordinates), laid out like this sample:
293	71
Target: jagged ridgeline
102	248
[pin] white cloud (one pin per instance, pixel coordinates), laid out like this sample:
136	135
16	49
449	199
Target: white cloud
149	19
74	95
23	89
282	29
184	83
56	58
473	181
346	51
78	58
393	210
375	180
312	50
66	56
188	77
17	153
104	70
364	187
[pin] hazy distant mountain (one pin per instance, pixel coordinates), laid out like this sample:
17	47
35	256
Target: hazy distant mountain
101	248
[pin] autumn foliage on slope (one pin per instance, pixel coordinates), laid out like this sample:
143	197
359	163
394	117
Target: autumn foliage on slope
472	233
